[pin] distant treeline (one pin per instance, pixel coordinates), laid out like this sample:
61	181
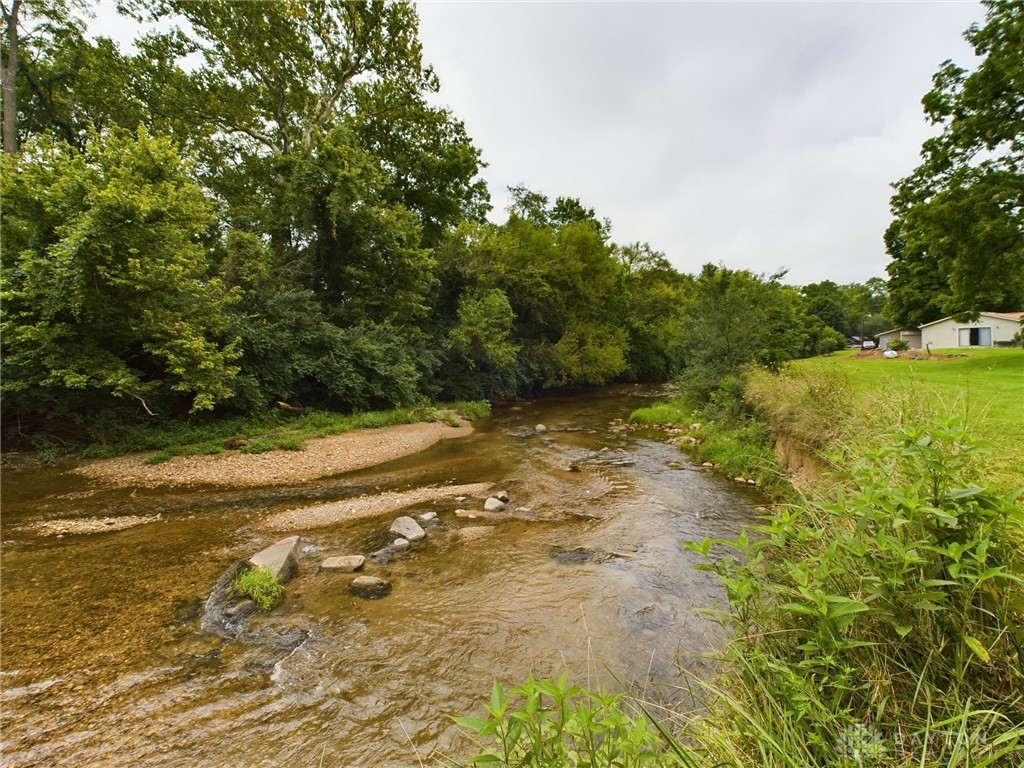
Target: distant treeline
290	218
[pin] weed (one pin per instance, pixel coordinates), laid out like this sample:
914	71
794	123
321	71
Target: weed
260	586
548	723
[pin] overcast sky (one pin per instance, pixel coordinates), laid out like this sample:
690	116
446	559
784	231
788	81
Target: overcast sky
759	135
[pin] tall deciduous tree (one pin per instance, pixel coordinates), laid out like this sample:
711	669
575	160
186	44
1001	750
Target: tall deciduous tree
960	214
106	282
31	28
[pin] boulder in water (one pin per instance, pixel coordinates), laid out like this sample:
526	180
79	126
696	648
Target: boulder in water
493	505
280	558
370	587
346	564
407	528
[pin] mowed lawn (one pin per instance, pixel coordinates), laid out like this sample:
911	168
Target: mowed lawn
985	385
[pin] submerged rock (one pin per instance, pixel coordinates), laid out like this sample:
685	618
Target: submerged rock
400	544
426	517
344	564
370	587
577	555
540	429
280	558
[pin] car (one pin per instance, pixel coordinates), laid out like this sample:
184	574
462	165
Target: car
867	345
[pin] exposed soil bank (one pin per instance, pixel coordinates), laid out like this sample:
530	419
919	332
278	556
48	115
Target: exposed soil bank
323	457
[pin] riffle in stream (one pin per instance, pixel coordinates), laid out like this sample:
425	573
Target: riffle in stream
105	661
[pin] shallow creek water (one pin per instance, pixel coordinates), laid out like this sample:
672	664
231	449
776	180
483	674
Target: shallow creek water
104	662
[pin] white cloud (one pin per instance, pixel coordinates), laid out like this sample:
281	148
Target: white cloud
761	135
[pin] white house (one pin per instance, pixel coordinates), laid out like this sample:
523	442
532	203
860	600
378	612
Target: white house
908	334
990	329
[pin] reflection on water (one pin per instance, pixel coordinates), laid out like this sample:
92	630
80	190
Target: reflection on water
104	661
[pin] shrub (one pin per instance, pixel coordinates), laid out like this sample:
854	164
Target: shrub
260	586
899	345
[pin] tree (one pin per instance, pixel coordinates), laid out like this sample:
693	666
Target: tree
961	212
737	318
31	28
107	285
656	296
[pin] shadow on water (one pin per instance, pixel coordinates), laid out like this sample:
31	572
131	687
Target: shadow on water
105	661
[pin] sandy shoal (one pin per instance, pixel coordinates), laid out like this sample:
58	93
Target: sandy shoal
323	457
321	515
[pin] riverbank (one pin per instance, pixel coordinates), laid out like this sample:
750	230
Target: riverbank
899	562
321	457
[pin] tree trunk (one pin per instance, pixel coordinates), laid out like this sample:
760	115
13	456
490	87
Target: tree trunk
10	73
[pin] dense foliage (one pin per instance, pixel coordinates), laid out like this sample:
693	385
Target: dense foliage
957	242
290	218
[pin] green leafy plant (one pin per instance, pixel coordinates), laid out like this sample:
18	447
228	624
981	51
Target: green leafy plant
912	575
548	723
260	586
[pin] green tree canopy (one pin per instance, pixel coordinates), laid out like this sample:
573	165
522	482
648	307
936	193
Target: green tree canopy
957	243
107	285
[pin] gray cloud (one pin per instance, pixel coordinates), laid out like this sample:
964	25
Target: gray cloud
761	135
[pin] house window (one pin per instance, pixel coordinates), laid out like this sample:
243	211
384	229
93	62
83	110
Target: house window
975	337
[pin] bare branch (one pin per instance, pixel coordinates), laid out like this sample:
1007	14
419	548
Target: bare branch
146	407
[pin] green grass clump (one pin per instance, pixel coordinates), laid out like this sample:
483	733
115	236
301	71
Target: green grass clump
161	456
260	586
99	451
680	411
208	448
472	409
254	447
290	443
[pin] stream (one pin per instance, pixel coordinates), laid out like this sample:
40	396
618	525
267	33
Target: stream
104	661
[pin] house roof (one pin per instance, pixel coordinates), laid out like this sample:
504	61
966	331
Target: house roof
901	329
1015	316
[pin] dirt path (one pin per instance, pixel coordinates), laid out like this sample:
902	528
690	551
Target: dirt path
322	457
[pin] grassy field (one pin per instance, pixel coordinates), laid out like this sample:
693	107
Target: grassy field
985	387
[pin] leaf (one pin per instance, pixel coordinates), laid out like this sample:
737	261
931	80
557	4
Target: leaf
475	724
846	609
979	650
